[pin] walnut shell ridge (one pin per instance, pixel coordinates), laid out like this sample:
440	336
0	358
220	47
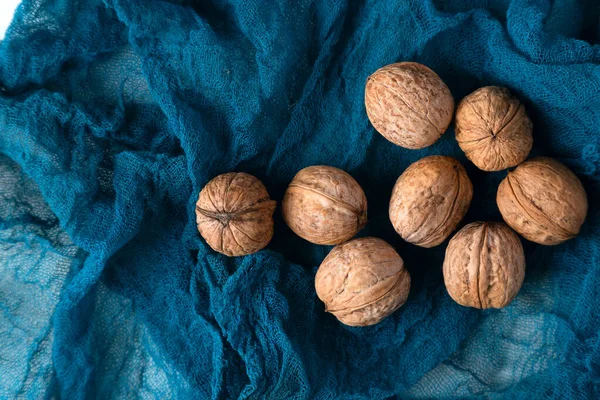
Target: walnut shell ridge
324	205
484	265
543	201
408	104
234	214
493	129
362	281
429	200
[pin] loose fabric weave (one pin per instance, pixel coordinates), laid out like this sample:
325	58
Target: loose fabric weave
115	113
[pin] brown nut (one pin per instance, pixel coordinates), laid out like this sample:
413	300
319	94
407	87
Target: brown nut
235	214
493	129
408	104
324	205
429	200
484	265
362	281
543	201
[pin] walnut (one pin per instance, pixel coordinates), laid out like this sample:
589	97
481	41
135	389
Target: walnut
493	129
408	104
429	200
235	214
484	265
324	205
362	281
543	201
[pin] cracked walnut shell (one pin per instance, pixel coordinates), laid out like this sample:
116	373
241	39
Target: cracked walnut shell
543	201
493	129
429	200
362	281
484	265
408	104
234	214
324	205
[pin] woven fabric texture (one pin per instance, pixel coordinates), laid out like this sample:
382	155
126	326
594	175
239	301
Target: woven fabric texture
115	113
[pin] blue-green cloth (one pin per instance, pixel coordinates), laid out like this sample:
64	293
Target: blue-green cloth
115	113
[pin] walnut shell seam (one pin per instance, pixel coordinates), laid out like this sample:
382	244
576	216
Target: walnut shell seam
548	221
361	215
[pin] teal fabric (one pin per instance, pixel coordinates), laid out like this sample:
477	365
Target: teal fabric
115	113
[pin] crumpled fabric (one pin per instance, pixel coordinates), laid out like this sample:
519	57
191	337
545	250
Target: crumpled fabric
115	113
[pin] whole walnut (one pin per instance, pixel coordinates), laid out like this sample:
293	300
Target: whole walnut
493	129
362	281
408	104
429	200
235	214
324	205
543	201
484	265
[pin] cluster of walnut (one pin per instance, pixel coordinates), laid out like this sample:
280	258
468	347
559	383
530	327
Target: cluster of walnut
364	280
541	199
361	281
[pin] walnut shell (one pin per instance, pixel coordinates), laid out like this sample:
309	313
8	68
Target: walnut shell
408	104
362	281
324	205
234	214
484	265
429	200
543	201
493	129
